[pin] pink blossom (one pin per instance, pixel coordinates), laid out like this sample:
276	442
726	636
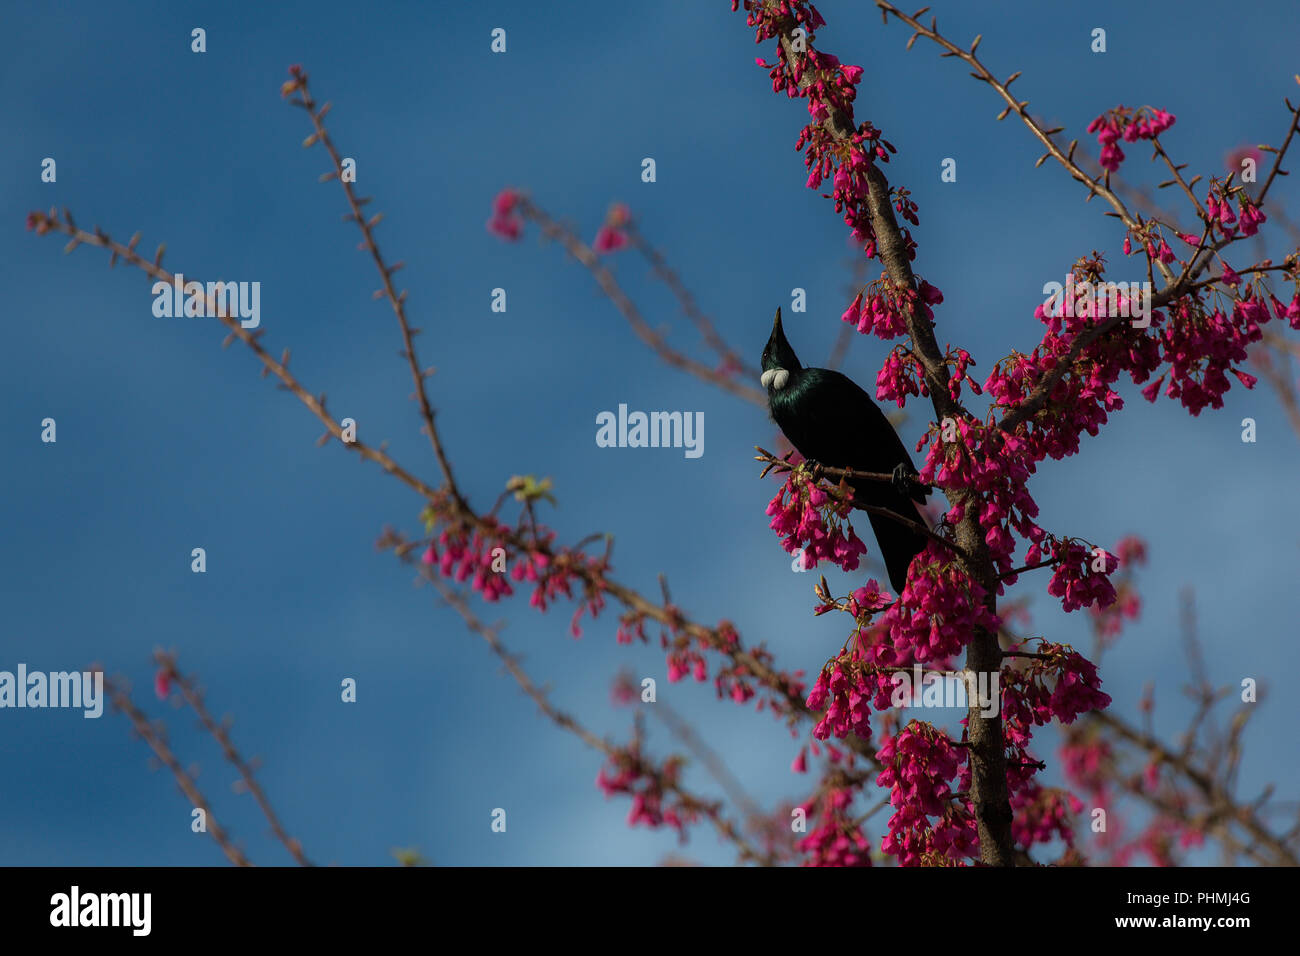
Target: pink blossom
837	839
505	222
809	519
609	239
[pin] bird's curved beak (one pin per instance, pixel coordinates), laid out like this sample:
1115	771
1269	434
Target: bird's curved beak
777	353
777	341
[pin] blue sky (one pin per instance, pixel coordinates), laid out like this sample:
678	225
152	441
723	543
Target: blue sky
166	442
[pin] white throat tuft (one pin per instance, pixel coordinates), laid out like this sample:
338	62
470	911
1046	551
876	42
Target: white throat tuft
775	378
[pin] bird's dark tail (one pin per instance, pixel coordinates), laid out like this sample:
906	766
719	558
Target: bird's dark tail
899	544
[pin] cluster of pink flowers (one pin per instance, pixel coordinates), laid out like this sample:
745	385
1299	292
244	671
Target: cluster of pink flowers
960	362
905	206
1163	252
1109	622
1077	578
1082	400
465	556
653	802
995	466
1074	688
837	840
848	689
1042	814
1062	685
1129	125
810	518
631	628
885	310
901	375
954	837
1221	217
555	574
506	223
685	655
684	661
1200	350
830	88
1201	347
1088	763
863	677
918	764
850	179
734	680
937	614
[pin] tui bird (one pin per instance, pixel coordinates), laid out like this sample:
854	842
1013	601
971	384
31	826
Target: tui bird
829	419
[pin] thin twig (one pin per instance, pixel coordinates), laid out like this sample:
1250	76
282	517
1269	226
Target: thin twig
154	737
194	697
614	292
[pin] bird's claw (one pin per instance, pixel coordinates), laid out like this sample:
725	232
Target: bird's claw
903	477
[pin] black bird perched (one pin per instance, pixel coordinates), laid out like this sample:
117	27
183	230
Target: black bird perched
830	419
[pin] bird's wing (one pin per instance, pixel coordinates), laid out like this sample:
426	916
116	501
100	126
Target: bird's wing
846	424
